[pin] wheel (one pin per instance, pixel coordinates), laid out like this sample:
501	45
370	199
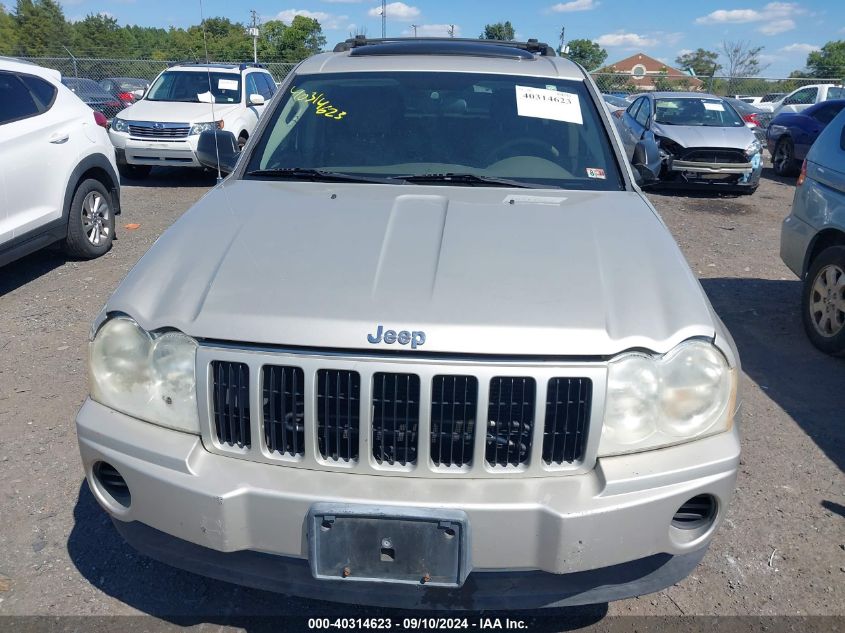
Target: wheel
823	304
90	228
134	172
784	159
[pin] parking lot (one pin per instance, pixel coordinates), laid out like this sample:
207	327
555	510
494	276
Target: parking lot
780	552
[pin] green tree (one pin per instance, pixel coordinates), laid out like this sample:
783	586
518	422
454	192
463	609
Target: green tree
587	53
292	42
8	33
498	31
41	26
829	62
98	36
701	61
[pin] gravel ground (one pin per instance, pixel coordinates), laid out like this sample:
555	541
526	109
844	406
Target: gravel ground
781	550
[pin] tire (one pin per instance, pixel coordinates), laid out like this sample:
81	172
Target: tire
823	301
134	172
783	159
90	227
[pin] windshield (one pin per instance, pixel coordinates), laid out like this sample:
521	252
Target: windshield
85	87
193	87
700	112
394	124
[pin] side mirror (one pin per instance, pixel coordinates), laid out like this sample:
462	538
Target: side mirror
138	93
214	143
256	100
646	160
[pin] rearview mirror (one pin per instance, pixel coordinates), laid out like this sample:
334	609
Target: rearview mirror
218	143
646	160
256	100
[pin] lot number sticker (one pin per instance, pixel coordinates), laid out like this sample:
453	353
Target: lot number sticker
713	105
541	103
227	84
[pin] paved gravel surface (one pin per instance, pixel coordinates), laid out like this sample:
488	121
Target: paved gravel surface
781	550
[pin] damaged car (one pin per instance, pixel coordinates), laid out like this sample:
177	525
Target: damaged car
693	140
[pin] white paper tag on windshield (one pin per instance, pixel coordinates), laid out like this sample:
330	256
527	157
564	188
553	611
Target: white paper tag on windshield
712	105
227	84
548	104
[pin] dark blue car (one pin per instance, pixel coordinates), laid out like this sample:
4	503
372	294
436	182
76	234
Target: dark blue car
790	134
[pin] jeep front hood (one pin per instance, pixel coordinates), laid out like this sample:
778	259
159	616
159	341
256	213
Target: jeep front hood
480	270
176	112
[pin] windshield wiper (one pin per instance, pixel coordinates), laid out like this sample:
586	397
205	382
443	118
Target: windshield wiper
317	175
471	179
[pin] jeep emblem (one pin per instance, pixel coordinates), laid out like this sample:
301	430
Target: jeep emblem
416	339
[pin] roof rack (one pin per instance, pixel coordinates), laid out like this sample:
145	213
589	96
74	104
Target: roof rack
240	65
532	45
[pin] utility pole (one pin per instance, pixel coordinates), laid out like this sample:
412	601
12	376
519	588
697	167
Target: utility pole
75	67
451	30
383	19
563	49
253	32
414	26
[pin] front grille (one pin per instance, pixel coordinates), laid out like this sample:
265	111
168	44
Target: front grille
330	411
159	130
283	396
568	402
338	414
454	400
510	420
396	418
230	401
718	155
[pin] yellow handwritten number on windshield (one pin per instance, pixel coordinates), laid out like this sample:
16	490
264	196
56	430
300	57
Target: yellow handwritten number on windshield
322	106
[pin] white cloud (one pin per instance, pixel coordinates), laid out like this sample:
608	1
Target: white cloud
684	51
628	40
396	11
805	49
778	26
326	20
574	5
776	17
433	30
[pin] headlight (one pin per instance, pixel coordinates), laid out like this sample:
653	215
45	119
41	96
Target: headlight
199	128
119	125
150	377
755	148
657	401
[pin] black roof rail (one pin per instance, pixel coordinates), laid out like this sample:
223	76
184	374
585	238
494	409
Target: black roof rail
532	45
240	65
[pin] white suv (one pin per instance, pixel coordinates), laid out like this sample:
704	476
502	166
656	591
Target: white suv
183	101
59	178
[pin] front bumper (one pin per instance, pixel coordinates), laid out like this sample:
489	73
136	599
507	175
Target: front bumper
616	517
745	175
133	151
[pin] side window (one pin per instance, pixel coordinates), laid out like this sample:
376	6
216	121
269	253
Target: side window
252	86
807	95
17	103
43	91
644	112
270	84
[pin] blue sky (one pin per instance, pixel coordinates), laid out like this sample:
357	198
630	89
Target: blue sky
788	30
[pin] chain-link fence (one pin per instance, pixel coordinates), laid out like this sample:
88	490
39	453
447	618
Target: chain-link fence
146	69
622	83
626	83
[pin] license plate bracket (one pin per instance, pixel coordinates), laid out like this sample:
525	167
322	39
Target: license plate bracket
417	546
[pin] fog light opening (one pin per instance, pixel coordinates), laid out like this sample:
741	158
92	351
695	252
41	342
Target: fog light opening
696	513
112	483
